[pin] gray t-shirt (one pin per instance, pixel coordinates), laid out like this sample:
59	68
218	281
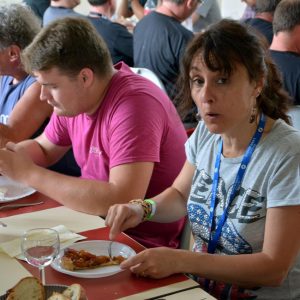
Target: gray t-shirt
209	12
53	13
271	180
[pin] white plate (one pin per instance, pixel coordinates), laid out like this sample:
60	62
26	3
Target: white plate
97	248
11	190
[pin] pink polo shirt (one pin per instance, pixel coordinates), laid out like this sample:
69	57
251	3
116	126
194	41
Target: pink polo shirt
136	122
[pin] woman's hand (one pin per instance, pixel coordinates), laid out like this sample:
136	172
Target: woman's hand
123	216
155	263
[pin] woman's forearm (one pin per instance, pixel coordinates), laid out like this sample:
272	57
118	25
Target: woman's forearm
170	206
246	270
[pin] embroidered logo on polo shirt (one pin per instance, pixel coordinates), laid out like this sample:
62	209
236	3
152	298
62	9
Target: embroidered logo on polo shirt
95	150
3	119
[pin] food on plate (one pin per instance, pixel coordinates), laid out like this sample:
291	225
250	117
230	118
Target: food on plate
58	296
28	288
73	292
81	260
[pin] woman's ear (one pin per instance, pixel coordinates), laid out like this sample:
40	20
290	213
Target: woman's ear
259	86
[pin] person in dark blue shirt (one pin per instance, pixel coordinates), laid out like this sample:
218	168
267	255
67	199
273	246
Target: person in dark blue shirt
118	39
285	46
263	18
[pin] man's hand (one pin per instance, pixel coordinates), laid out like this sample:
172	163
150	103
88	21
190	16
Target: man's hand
14	162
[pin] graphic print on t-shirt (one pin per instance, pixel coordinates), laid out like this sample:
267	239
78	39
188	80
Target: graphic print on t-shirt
246	209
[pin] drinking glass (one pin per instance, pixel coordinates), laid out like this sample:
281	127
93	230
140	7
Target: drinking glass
40	246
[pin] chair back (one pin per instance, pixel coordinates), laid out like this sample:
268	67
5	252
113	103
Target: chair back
294	113
149	75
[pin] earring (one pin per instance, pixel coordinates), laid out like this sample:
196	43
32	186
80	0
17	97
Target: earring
258	94
253	115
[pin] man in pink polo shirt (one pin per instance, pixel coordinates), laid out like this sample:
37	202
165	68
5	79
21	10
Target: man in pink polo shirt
126	134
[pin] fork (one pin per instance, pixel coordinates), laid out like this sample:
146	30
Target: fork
20	205
109	250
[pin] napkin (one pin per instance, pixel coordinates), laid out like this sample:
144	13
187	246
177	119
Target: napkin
67	238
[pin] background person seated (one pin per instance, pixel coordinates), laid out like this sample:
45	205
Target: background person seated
116	36
262	21
285	49
126	134
159	41
22	113
60	9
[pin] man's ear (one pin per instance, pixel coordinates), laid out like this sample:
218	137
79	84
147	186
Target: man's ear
192	4
87	76
14	53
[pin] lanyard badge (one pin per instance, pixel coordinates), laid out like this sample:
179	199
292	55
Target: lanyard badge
214	237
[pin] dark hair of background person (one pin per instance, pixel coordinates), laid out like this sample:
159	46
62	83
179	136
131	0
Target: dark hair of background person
69	44
97	2
266	5
286	16
222	46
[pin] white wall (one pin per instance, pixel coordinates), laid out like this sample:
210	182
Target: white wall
232	8
83	7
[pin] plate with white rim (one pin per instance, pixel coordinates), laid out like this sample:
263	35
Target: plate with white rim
96	247
11	190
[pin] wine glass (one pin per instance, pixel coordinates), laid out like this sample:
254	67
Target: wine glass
40	246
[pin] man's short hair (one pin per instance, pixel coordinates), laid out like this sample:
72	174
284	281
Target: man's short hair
68	44
18	25
266	5
286	16
97	2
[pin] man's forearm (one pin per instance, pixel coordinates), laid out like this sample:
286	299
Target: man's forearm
85	195
35	152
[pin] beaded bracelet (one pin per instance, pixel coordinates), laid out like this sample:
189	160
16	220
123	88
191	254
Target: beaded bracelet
148	206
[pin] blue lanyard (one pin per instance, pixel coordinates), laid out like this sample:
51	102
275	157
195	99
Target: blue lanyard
214	237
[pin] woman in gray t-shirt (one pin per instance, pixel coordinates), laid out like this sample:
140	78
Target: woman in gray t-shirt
240	183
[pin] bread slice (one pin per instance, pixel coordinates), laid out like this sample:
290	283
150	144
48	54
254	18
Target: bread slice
28	288
58	296
75	292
